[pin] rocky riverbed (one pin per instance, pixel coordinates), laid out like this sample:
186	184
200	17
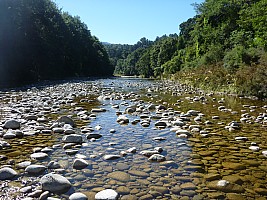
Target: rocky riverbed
131	139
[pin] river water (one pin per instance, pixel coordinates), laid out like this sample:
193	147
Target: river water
209	159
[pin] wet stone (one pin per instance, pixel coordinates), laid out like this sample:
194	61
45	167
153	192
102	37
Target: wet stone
233	196
234	166
138	173
120	176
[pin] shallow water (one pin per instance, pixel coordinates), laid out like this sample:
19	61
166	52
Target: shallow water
197	161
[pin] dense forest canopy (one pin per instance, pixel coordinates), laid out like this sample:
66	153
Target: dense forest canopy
229	36
38	41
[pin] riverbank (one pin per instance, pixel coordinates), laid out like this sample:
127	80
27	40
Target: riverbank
246	81
131	139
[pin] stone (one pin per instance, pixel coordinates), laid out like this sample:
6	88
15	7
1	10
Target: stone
53	165
93	135
264	153
58	130
241	138
122	119
188	186
111	157
67	120
26	189
182	131
35	169
146	197
39	156
148	153
159	138
11	124
160	189
212	177
120	176
262	191
44	195
107	194
138	173
73	138
78	196
157	158
234	166
55	183
112	131
23	165
123	190
122	166
158	149
131	150
233	196
160	123
9	134
7	173
225	186
80	163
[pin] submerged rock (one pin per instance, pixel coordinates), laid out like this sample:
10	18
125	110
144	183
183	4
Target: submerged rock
225	186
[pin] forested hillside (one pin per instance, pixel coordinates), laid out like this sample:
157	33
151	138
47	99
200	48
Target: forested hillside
38	41
223	47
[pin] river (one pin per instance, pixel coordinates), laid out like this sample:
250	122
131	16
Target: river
207	145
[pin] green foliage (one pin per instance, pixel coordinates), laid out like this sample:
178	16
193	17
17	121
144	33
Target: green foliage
38	41
233	59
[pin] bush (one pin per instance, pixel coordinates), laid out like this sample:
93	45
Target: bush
233	59
251	80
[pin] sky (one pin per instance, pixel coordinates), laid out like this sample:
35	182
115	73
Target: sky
127	21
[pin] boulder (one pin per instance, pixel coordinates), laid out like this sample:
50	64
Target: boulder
12	124
55	183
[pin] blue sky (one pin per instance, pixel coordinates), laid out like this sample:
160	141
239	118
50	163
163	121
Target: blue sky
127	21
